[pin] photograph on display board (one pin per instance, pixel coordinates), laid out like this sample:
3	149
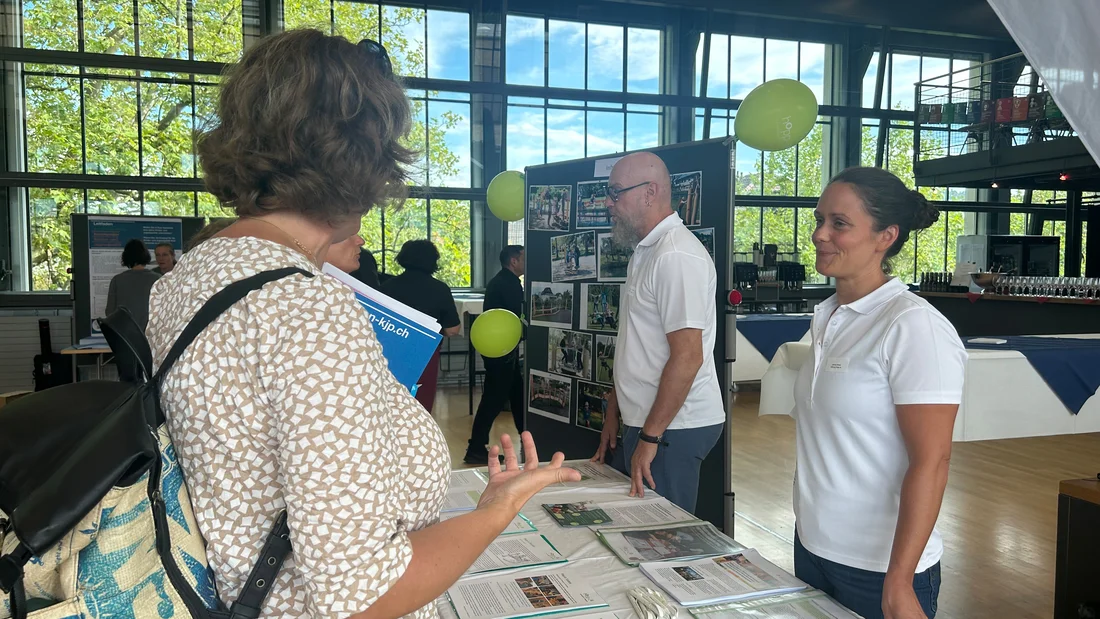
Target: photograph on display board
600	307
569	353
613	259
605	358
548	207
706	237
573	256
591	405
592	205
550	396
687	196
552	305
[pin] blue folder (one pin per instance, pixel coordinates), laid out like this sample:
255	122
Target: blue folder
408	337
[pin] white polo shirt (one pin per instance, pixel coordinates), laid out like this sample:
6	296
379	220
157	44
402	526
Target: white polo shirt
889	348
670	285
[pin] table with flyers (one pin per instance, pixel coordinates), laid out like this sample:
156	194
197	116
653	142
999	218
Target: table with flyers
585	578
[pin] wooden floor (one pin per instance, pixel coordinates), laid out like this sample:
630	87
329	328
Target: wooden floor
998	520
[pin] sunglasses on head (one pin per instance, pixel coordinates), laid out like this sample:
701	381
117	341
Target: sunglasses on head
375	50
614	193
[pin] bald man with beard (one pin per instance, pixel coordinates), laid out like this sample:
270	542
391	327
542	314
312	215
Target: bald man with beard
666	384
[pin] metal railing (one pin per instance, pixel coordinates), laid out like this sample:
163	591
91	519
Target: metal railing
996	104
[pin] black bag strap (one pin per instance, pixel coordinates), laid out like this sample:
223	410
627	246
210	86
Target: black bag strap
251	600
11	579
123	333
214	307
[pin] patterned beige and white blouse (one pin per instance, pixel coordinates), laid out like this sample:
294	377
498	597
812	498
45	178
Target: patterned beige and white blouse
286	400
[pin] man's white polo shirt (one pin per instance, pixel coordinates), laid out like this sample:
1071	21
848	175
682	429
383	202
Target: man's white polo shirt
889	348
670	285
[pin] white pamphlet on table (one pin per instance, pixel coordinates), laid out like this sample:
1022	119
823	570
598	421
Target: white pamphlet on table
724	578
464	492
810	604
687	540
635	512
514	551
595	472
519	524
515	597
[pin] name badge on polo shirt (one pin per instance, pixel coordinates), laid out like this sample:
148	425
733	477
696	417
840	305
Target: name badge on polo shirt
836	364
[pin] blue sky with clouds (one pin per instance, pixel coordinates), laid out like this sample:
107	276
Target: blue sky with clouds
567	54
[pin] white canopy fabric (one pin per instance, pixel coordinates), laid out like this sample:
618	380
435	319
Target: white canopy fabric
1061	39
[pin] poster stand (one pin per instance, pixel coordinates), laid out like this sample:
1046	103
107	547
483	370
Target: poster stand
573	272
97	242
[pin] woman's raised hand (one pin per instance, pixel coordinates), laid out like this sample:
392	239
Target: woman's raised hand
512	486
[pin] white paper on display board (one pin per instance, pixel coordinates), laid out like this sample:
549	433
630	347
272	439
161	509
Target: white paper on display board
1059	40
107	236
603	167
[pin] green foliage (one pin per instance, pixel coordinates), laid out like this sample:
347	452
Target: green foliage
169	114
789	229
401	31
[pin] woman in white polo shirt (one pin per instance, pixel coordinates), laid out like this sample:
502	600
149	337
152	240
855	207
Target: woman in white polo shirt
874	409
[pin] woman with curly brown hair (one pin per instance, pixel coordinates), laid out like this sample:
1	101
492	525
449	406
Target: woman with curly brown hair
285	401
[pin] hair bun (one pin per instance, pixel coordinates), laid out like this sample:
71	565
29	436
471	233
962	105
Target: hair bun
924	212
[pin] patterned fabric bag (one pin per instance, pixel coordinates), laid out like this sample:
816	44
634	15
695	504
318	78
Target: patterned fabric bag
95	518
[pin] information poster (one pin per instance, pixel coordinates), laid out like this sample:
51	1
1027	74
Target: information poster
106	238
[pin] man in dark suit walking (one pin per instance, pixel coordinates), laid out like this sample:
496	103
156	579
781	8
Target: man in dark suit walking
503	375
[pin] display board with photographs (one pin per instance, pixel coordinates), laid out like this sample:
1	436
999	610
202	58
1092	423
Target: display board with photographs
687	197
548	207
592	211
592	405
575	281
551	305
605	358
570	353
549	396
573	256
613	259
600	307
706	237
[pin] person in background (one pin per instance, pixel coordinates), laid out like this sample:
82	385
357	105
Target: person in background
503	375
417	288
368	269
666	384
874	409
345	254
286	401
130	289
165	256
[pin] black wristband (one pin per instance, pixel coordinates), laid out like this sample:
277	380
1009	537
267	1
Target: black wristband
656	440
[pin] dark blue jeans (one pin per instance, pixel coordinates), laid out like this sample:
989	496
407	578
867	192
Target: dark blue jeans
860	590
675	469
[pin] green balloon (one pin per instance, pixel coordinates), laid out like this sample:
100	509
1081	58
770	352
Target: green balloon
495	333
776	115
506	195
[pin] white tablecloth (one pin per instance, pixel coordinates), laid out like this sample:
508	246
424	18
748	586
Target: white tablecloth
611	578
471	304
1003	397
